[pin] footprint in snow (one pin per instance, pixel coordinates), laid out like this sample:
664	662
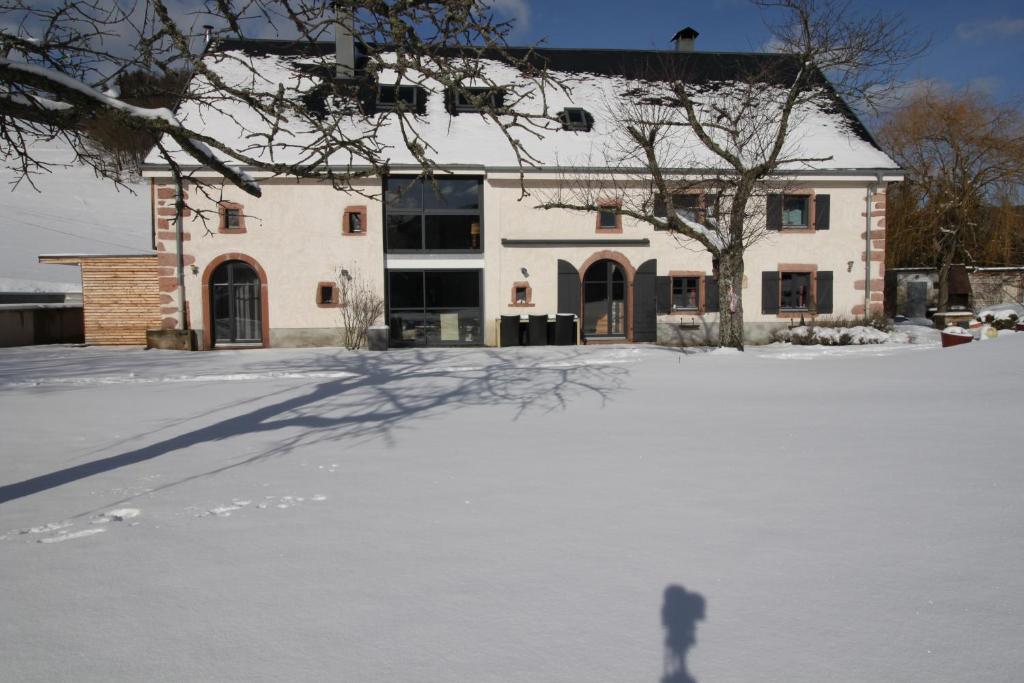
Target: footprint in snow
60	538
119	515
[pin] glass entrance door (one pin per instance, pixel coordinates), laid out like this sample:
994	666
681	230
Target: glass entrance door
435	307
235	290
604	300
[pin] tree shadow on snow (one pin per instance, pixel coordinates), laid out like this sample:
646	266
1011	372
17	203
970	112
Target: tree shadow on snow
680	613
385	392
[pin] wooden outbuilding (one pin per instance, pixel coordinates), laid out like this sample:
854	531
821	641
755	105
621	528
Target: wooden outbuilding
120	295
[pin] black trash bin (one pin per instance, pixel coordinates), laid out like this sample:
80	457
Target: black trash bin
509	331
565	329
538	335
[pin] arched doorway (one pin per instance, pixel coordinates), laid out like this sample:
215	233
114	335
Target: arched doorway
604	300
235	304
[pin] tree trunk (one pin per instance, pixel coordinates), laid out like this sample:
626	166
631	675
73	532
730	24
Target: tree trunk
730	299
943	299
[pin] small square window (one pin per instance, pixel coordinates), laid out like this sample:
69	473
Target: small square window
465	100
608	218
232	218
521	297
795	211
326	295
355	223
685	293
576	118
390	96
795	292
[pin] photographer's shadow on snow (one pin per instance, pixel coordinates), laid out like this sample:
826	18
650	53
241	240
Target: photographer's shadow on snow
680	612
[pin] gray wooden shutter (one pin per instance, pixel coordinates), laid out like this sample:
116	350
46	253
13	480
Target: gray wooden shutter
823	295
822	204
770	291
568	288
664	287
774	212
710	294
645	302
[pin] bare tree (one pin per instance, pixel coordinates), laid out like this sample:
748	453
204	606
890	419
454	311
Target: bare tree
59	62
964	155
362	306
736	140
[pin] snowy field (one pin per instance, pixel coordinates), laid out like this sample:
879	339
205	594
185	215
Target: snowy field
841	514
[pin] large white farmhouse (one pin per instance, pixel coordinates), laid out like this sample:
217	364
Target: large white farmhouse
451	257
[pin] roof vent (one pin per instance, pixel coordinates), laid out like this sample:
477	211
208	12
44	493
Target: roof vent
686	39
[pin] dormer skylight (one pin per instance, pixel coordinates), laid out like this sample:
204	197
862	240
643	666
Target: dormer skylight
411	97
576	118
464	100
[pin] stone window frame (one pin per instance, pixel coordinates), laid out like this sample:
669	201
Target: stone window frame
222	224
335	301
602	206
529	295
812	271
808	229
701	293
354	210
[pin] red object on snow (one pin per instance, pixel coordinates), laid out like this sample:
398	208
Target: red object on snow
955	339
1019	327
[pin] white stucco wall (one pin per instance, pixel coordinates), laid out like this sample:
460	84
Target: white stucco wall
295	233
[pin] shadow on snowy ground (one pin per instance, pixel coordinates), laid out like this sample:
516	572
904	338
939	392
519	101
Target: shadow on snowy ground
371	395
680	612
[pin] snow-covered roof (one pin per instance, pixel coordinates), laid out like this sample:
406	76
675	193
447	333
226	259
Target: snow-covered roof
598	79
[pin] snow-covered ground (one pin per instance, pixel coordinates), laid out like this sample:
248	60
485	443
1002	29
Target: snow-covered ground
70	211
840	514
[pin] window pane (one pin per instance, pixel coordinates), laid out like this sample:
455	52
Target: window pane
795	291
453	289
405	289
243	273
405	232
247	316
404	193
221	312
455	193
452	232
608	218
794	210
685	291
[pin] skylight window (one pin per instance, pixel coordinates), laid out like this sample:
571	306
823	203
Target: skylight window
391	96
576	118
468	100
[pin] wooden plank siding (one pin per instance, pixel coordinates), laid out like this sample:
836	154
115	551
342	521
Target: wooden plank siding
120	297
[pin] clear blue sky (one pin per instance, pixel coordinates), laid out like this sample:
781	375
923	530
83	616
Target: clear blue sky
973	42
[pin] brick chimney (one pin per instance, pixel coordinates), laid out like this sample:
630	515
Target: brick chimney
344	43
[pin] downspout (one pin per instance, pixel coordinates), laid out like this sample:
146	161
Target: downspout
179	211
